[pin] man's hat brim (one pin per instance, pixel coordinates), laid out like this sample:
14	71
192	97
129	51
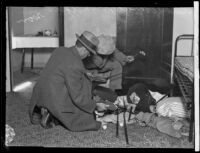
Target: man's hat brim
85	45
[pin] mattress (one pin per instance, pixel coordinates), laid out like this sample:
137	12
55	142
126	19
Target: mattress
185	65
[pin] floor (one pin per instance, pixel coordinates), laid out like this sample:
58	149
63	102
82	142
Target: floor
27	75
27	134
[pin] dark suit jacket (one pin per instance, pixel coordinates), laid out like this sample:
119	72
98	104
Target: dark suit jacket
65	91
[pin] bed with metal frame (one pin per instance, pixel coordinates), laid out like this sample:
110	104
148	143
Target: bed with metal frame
182	73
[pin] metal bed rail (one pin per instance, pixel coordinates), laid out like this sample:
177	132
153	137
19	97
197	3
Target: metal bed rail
186	86
174	54
181	37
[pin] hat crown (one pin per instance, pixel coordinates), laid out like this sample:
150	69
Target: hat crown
106	44
91	37
89	41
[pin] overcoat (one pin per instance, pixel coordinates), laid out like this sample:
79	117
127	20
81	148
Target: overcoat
65	91
112	64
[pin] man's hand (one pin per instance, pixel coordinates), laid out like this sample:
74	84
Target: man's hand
101	106
89	74
96	98
121	100
130	58
131	105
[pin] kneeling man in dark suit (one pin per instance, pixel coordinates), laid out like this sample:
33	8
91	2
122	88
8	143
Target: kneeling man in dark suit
63	91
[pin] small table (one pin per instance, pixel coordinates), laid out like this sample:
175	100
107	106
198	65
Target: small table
33	42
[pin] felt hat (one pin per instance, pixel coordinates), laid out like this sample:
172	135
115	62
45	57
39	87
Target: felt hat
160	85
89	41
106	45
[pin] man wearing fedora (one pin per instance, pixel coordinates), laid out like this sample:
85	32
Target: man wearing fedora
63	90
108	61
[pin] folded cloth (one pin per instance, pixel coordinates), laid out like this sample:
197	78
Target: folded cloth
10	133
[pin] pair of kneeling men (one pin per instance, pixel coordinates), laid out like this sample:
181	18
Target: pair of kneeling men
64	87
64	90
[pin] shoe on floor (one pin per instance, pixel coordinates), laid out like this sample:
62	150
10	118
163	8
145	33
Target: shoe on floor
36	118
47	120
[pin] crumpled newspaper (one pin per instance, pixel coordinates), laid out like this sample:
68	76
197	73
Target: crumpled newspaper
10	133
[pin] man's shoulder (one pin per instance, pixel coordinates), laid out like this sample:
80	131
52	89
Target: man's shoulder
63	48
70	54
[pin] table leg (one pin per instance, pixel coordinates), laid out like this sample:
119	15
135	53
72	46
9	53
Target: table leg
23	57
32	50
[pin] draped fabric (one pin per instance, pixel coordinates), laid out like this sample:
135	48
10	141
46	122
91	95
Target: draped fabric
172	107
